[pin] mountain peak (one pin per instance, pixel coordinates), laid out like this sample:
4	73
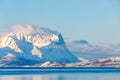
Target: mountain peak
37	36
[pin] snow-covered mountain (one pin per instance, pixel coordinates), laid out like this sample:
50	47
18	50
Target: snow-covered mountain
107	62
26	44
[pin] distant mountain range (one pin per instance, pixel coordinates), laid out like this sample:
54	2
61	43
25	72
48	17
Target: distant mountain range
31	46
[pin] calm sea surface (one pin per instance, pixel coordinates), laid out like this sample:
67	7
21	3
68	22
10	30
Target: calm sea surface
63	76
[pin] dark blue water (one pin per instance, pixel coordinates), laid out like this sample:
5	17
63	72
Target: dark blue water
63	76
60	74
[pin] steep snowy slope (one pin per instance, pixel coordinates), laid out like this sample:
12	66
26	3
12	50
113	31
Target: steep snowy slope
32	44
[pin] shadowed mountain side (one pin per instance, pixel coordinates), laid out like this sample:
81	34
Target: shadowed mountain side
63	56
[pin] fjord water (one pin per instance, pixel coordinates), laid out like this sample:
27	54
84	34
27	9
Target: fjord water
63	76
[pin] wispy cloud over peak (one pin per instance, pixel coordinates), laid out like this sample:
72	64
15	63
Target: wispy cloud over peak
25	29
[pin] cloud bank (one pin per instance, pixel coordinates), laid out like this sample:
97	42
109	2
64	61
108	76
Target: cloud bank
92	51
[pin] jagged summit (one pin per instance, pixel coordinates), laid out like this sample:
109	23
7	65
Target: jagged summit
39	37
30	43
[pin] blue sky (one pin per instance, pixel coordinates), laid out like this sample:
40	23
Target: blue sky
92	20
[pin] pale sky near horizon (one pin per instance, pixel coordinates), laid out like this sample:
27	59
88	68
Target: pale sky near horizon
92	20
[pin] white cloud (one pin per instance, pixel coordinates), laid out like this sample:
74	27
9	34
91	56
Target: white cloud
31	29
25	29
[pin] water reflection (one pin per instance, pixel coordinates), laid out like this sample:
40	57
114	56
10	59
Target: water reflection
64	76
